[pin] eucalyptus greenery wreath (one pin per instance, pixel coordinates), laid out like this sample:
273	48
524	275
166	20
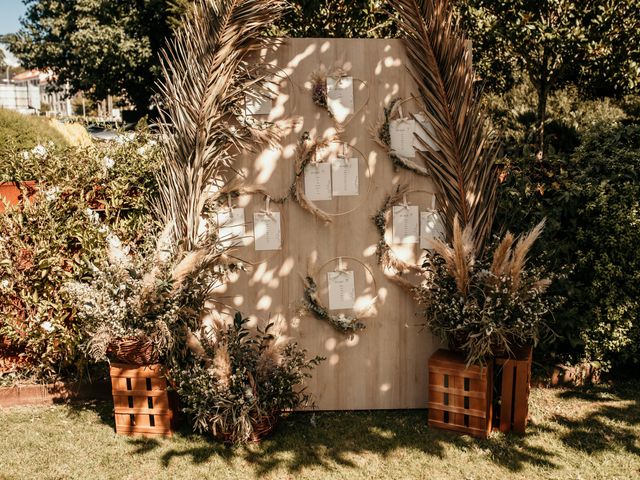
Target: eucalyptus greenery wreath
382	136
312	304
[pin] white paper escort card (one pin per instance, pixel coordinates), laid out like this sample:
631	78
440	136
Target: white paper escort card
405	224
266	229
401	134
317	181
420	132
231	227
342	290
257	105
344	176
340	97
430	228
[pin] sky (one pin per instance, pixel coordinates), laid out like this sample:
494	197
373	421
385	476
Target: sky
10	13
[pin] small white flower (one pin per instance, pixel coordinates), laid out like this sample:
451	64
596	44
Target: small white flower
103	229
39	151
47	326
93	216
108	162
25	155
4	283
142	150
51	194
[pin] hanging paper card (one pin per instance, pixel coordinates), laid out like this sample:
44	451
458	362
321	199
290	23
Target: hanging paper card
405	224
266	229
340	97
401	133
231	227
342	290
317	181
430	228
344	176
257	105
426	137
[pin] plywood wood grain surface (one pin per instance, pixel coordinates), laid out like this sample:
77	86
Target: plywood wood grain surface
385	365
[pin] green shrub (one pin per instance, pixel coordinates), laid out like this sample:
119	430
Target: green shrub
591	201
84	196
19	131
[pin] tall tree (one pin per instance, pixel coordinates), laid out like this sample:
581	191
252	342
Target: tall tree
594	44
337	18
98	47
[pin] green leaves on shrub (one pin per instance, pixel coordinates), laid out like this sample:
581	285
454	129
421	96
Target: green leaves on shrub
83	196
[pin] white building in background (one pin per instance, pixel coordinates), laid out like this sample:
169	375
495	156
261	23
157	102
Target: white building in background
34	85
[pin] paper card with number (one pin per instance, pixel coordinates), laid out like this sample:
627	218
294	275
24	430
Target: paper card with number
342	290
257	105
431	227
401	133
231	227
405	224
344	176
426	137
340	97
266	230
317	181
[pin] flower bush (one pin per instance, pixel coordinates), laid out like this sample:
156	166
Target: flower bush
485	308
252	377
80	204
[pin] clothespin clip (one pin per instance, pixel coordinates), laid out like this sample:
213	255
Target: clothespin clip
230	204
405	204
267	207
340	269
433	203
345	152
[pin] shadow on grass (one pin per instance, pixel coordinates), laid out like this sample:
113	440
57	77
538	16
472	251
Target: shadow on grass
326	439
337	436
613	424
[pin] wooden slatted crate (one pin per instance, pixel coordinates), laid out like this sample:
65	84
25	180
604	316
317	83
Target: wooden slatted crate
460	398
513	378
141	401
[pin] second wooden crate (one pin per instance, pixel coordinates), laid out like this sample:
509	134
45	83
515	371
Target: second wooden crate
141	401
460	398
513	380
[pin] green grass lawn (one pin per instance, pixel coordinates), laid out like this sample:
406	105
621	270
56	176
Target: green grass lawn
580	434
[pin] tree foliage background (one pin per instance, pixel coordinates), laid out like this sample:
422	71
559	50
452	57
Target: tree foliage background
98	47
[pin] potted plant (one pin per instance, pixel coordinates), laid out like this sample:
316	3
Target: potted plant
245	380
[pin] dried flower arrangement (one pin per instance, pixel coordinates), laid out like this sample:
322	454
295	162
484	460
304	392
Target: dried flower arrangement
252	379
319	89
133	304
483	306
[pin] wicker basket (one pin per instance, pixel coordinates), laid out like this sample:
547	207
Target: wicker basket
262	428
134	351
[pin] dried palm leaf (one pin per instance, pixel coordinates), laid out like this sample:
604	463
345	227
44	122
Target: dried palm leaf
463	164
206	72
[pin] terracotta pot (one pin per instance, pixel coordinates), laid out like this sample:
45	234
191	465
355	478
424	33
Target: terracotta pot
11	193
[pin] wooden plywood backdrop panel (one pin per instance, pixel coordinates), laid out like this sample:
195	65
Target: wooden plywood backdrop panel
384	365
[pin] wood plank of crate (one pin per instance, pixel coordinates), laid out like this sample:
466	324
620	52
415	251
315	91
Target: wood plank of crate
141	401
460	397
